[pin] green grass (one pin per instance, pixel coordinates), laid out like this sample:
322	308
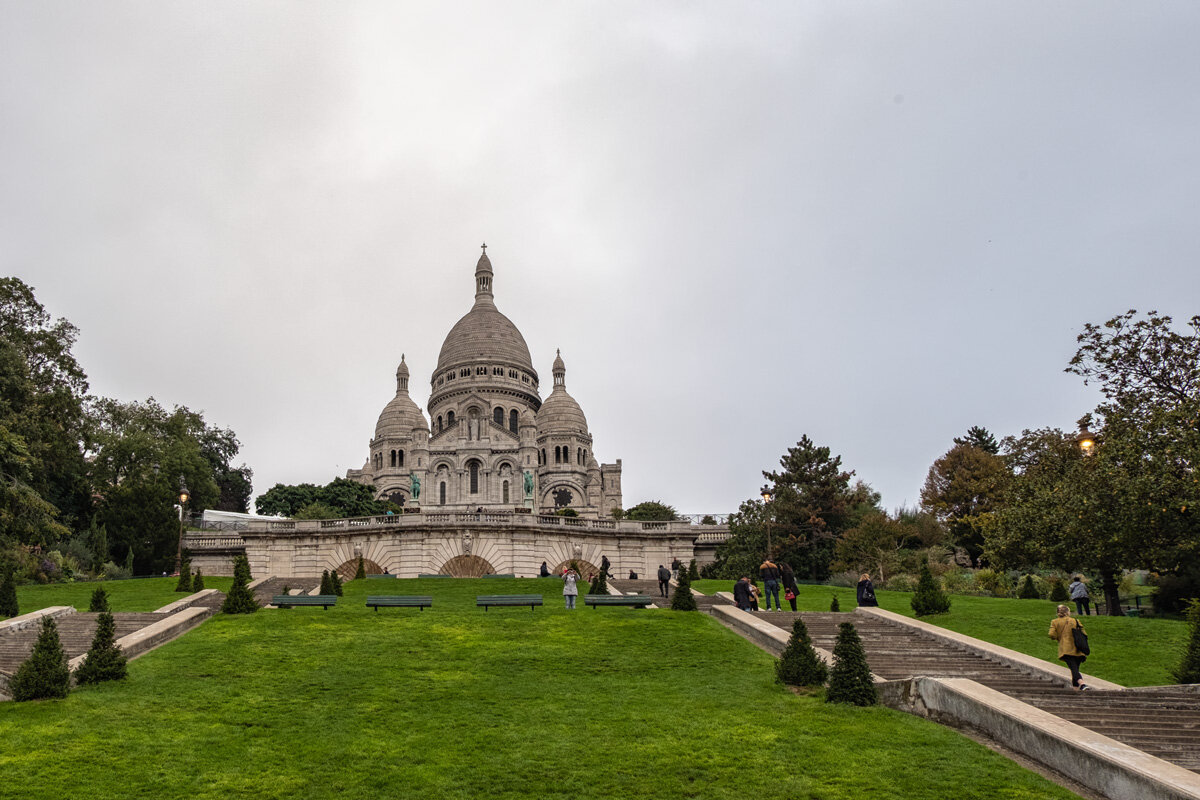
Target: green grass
142	594
458	703
1131	651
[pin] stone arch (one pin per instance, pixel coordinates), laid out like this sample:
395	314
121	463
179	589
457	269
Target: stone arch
347	569
466	566
551	495
585	567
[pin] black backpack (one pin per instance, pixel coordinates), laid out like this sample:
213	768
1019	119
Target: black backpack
1081	640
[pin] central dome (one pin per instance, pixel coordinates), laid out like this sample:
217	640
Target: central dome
484	334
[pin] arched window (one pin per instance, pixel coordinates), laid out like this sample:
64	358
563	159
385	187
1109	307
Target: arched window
512	420
474	467
399	458
544	462
442	493
450	419
393	458
439	423
498	416
505	485
557	454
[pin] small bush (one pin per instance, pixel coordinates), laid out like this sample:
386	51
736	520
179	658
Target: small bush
958	582
1058	591
1171	593
1029	590
104	660
693	573
599	585
326	585
335	582
198	582
682	599
185	578
241	569
44	673
899	583
8	596
99	600
1188	670
240	599
113	571
361	572
834	605
929	597
799	665
850	679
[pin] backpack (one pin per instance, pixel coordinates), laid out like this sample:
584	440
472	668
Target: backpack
1081	639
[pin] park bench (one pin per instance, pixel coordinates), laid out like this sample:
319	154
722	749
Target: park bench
486	600
421	602
388	575
289	600
635	600
428	575
498	575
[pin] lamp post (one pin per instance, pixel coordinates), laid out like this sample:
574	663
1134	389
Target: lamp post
1086	440
766	496
183	498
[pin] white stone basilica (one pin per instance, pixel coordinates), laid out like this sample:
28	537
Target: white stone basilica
493	443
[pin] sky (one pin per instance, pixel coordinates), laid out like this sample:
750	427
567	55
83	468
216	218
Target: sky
874	224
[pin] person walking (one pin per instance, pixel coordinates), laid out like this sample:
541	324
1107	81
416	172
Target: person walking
741	593
770	574
1062	630
604	565
675	567
866	591
788	579
570	590
664	580
1079	594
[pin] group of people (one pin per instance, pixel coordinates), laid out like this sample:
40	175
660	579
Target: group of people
746	594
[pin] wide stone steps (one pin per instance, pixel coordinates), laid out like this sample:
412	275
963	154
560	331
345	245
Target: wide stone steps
641	586
75	631
1163	724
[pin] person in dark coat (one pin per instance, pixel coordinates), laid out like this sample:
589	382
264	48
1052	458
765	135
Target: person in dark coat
790	589
770	574
664	579
545	573
866	591
675	566
741	593
604	565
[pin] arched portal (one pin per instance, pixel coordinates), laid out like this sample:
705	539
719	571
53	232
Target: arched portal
584	568
348	569
467	567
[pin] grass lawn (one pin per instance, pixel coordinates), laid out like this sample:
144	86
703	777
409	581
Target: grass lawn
142	594
454	702
1131	651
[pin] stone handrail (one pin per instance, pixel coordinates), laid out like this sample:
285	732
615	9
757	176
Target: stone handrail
721	534
209	541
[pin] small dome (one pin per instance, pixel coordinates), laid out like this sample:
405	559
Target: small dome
560	413
401	415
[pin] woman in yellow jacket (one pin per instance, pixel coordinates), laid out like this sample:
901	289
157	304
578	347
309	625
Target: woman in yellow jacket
1060	631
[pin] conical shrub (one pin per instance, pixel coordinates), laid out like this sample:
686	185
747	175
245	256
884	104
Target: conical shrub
682	599
8	596
1028	590
929	597
326	584
197	582
850	679
45	672
241	569
240	599
185	578
1058	591
104	660
834	605
335	582
693	572
799	665
1188	670
99	600
599	584
361	572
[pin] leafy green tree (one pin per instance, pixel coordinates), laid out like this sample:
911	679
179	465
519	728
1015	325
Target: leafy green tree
799	664
652	511
681	598
1188	670
929	597
8	596
99	601
965	482
45	673
285	500
338	498
980	438
850	679
318	510
104	660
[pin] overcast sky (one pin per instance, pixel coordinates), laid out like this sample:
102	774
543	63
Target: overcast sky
873	223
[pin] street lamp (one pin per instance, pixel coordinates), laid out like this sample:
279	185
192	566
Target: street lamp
766	496
1086	440
184	494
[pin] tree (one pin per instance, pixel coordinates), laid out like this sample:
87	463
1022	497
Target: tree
1058	591
965	482
335	581
99	600
104	660
599	584
652	511
185	578
240	599
45	673
693	572
241	569
929	597
1029	590
850	680
361	572
198	582
980	438
285	500
8	596
834	605
326	584
338	498
1188	670
799	664
681	598
317	510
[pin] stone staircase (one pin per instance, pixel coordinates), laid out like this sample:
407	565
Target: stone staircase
75	631
1163	723
273	586
640	586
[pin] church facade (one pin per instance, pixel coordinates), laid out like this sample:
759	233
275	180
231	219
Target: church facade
490	441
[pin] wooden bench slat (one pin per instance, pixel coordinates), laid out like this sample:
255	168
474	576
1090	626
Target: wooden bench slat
487	600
